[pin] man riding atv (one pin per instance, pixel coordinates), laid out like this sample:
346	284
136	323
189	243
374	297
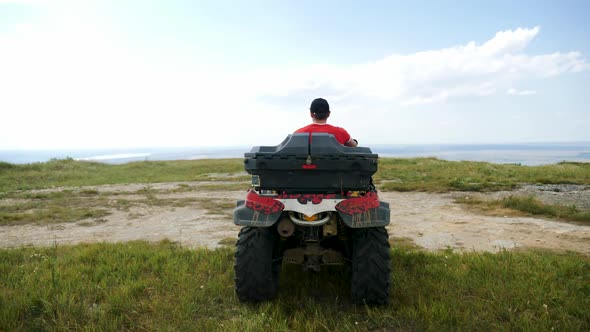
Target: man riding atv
312	203
320	111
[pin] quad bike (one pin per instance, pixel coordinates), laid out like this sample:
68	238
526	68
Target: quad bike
312	203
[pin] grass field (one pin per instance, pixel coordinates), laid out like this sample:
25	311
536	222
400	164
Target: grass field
69	205
68	172
140	286
413	174
434	175
528	205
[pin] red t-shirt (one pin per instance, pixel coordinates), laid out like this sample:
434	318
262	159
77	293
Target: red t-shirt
342	136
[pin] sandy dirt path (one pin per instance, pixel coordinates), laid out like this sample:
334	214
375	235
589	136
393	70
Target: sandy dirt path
432	221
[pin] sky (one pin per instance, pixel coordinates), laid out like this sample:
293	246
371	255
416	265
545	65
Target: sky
90	74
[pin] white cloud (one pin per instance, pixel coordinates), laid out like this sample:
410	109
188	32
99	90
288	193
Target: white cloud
509	41
434	76
71	84
514	92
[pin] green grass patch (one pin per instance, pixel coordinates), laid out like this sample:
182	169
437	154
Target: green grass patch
50	215
72	206
140	286
228	242
68	172
411	174
435	175
52	207
528	205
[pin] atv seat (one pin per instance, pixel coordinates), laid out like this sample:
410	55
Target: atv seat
314	162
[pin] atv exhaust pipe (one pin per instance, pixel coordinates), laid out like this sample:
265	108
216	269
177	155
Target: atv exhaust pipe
285	227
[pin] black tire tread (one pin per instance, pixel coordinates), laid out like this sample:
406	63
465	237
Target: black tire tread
256	279
371	268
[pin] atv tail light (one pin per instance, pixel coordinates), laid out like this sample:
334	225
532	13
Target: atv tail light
312	166
265	204
358	205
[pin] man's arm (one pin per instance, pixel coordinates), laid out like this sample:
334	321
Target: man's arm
352	142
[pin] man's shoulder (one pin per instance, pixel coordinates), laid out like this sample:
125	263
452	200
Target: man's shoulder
314	127
337	129
303	129
340	133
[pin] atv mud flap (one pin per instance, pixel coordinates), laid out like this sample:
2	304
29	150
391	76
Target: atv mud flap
373	217
244	216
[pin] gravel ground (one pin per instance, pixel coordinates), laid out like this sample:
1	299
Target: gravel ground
561	194
431	220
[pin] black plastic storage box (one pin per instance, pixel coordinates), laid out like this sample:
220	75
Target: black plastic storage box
304	164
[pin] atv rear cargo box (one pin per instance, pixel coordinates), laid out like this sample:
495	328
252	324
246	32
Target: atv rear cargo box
316	163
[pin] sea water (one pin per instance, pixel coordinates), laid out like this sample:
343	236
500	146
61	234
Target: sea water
524	154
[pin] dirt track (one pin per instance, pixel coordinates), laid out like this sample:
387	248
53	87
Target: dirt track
432	221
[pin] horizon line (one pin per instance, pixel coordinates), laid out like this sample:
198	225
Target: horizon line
245	146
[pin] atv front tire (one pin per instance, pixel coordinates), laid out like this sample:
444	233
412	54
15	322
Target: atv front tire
371	269
256	267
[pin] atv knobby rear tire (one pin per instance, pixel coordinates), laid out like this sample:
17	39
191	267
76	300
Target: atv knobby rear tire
371	267
256	273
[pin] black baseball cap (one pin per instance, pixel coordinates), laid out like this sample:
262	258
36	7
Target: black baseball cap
319	105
